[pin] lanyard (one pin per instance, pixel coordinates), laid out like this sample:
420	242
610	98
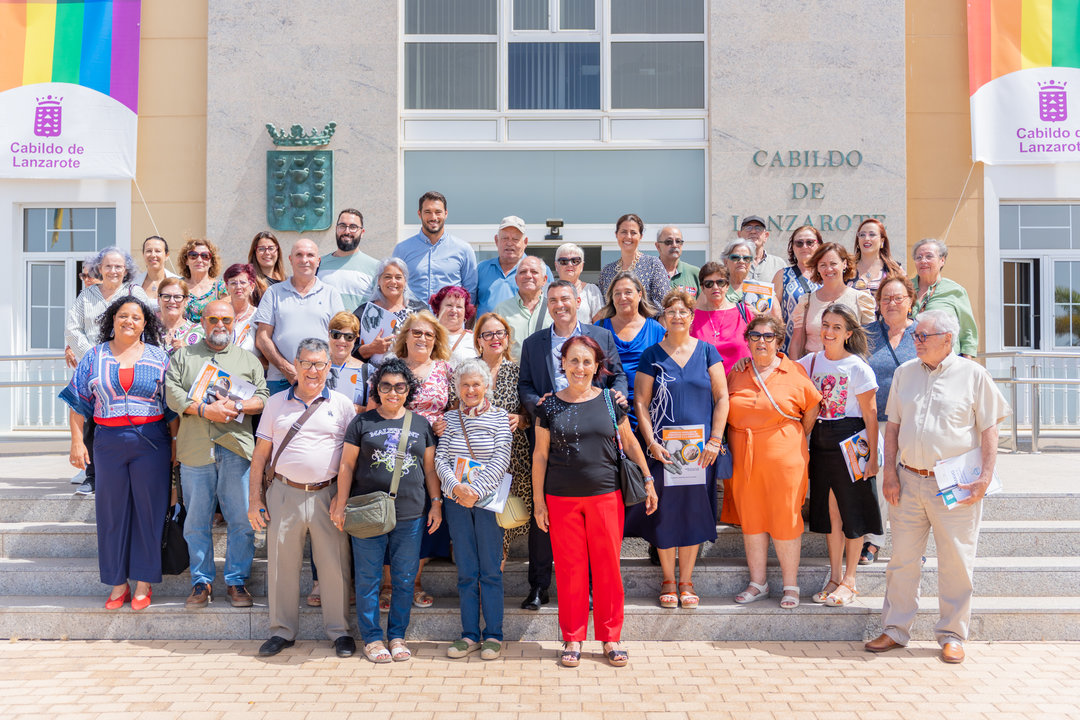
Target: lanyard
885	337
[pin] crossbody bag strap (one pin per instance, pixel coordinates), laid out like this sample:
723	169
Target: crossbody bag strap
611	413
802	280
268	474
461	419
885	337
813	361
741	305
769	395
399	456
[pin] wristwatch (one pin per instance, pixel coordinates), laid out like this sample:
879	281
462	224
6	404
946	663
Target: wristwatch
239	406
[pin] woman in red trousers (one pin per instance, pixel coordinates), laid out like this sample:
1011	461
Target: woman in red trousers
576	494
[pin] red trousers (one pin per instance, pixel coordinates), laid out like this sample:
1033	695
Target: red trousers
586	536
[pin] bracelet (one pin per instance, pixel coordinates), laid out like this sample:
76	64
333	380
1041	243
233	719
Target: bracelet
717	438
436	500
200	409
649	479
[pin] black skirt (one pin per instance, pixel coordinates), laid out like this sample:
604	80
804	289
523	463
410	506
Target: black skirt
857	500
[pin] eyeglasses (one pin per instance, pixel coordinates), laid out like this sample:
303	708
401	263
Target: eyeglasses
492	334
350	228
710	284
804	243
893	299
922	337
753	229
319	365
755	336
740	258
238	284
670	241
423	334
926	257
171	298
342	335
677	313
113	268
569	261
266	248
397	388
871	234
192	255
215	320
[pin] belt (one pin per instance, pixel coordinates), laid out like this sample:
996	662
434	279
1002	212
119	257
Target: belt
309	487
917	471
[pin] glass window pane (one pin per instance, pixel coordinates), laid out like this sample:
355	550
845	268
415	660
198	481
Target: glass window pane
657	16
1076	227
658	75
58	219
1008	282
1041	238
58	240
451	17
86	242
39	285
106	227
577	14
1044	216
1009	227
531	15
1066	304
39	327
56	328
34	229
84	218
554	76
450	76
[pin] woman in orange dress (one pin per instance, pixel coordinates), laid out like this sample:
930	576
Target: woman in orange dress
769	449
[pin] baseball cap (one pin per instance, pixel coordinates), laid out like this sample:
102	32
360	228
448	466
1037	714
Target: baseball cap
753	219
513	221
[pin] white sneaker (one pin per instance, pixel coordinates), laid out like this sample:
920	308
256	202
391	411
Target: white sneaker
87	488
79	478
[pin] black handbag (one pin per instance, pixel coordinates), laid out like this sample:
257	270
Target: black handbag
631	477
174	549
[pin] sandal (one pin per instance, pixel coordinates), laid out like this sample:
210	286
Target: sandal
315	598
616	655
460	648
490	649
570	658
384	598
746	597
399	651
668	599
835	599
790	600
823	593
422	599
376	652
687	598
868	556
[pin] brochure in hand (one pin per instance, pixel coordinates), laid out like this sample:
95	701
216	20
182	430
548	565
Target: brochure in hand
213	382
465	467
966	468
685	444
856	451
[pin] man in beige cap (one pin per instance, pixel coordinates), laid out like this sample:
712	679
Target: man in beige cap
496	277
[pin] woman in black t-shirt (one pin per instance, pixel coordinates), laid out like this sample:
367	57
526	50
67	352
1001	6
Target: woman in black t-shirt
369	457
576	493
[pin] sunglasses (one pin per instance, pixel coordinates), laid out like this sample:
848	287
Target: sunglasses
192	255
710	284
423	334
755	336
804	243
400	388
492	334
569	261
215	320
342	335
669	242
740	258
171	298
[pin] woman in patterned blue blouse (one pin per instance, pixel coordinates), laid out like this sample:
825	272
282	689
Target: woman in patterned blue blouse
120	384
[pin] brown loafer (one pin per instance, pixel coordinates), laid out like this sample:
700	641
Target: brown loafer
239	596
952	652
199	597
882	643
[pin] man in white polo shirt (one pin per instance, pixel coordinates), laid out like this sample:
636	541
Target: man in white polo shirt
298	500
290	311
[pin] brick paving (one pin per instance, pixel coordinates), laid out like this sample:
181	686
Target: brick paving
665	681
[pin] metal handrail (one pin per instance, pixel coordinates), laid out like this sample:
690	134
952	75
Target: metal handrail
1031	354
1035	382
17	358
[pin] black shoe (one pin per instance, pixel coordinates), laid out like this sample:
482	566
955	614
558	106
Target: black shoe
275	645
536	598
345	646
654	556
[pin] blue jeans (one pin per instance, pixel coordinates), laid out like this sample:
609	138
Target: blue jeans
227	480
478	542
404	546
276	386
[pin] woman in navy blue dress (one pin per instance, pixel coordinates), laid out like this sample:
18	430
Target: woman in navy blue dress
680	386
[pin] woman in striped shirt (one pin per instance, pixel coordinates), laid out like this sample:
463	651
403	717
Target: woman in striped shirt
480	432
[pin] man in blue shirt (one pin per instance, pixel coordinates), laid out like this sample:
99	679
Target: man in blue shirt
497	276
436	258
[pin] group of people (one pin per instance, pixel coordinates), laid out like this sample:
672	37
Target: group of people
734	387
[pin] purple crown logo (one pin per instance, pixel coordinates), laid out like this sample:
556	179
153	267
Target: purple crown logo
1053	102
48	117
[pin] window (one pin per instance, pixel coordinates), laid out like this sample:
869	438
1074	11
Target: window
60	230
1019	316
450	17
47	305
450	76
658	75
554	76
658	16
1067	304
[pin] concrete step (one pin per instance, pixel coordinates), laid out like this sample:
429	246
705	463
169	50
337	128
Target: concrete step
23	501
79	618
1003	538
713	577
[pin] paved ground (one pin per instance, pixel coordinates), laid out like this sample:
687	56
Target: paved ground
665	681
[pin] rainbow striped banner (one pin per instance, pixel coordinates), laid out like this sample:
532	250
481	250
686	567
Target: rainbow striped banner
1024	79
69	87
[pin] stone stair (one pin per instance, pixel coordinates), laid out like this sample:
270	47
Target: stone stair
1027	581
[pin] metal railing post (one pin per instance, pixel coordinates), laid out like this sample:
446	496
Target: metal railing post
1014	397
1035	410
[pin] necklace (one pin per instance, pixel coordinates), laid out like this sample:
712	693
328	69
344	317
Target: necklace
619	264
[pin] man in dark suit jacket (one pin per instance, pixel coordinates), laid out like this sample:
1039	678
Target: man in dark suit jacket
542	376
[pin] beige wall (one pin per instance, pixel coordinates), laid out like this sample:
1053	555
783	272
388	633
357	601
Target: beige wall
939	143
171	167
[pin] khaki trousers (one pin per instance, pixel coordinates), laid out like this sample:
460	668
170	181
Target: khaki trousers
956	533
295	513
